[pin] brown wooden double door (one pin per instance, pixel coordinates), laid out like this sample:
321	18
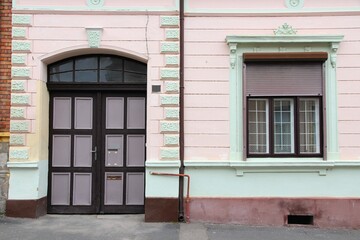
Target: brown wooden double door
97	152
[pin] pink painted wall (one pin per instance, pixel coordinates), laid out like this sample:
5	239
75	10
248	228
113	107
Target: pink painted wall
207	77
55	33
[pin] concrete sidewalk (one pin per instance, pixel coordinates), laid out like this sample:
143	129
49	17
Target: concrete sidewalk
124	227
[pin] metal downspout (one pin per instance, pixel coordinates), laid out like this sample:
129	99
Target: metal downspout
181	106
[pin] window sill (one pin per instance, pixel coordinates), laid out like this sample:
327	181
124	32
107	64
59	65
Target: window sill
276	165
282	165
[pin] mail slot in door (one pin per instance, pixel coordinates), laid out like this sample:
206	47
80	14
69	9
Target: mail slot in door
113	177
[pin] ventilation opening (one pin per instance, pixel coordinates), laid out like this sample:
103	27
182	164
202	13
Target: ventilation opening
300	219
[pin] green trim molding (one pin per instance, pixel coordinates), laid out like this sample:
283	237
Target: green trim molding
238	45
169	21
170	99
21	19
17	140
18	85
18	32
94	36
18	59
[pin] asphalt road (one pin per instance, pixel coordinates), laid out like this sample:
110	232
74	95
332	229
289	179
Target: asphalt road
126	227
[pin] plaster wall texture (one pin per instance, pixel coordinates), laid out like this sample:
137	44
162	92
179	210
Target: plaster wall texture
207	77
139	34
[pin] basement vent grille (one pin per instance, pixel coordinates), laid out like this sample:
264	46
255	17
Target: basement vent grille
300	219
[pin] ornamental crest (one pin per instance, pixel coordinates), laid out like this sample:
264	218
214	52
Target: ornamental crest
285	29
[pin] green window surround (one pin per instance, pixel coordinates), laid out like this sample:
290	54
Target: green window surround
238	45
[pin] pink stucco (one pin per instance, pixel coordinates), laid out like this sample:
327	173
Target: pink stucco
207	99
326	212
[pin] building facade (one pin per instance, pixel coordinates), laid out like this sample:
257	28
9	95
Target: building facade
5	84
256	104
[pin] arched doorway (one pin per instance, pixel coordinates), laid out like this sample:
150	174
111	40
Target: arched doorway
97	135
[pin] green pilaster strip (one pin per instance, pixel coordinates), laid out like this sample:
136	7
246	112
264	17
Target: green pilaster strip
20	99
169	100
18	85
172	86
18	59
169	73
18	32
172	113
171	139
20	19
22	154
331	107
172	60
17	112
169	47
169	153
169	21
17	139
19	126
21	46
20	72
169	126
172	34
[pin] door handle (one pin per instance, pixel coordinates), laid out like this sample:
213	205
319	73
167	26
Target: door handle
95	151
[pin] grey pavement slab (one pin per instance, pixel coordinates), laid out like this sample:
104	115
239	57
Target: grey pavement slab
133	227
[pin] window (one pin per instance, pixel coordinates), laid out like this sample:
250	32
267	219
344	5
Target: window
284	108
284	126
98	69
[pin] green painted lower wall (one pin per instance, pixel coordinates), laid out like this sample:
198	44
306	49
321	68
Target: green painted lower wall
28	180
224	182
332	179
162	186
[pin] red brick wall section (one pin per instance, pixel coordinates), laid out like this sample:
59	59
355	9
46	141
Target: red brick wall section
5	64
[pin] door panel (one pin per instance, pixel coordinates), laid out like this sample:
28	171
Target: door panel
60	194
134	193
97	144
135	152
136	113
113	188
83	150
82	189
62	113
61	151
83	113
114	150
115	113
73	171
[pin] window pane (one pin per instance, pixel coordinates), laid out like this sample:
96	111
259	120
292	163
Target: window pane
134	78
309	125
61	77
62	67
112	63
258	126
284	126
134	66
86	63
86	76
111	76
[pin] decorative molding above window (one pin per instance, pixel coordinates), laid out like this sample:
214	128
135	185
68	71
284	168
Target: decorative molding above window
95	3
294	4
285	29
94	37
